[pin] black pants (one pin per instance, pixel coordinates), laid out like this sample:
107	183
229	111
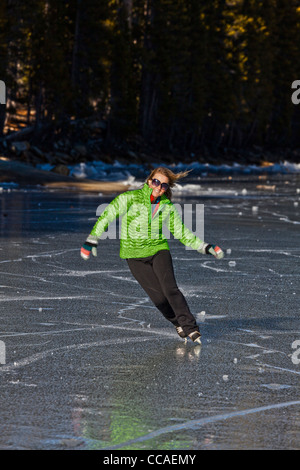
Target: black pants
156	276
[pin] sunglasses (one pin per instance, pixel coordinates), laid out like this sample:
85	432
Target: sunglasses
156	183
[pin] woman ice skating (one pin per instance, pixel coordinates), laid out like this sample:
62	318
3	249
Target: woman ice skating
144	246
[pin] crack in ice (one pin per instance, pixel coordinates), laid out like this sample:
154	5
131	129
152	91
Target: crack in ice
196	423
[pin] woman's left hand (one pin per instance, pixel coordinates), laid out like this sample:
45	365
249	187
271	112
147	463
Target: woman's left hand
215	251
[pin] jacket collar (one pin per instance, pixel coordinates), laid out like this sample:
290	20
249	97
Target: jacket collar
147	190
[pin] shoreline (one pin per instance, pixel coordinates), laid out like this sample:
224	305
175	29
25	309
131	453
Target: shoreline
23	174
104	178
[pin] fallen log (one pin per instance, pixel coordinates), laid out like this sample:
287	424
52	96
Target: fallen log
104	187
18	134
27	175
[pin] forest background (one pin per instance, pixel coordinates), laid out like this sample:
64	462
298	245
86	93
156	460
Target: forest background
176	80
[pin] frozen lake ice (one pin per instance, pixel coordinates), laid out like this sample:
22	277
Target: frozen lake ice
91	364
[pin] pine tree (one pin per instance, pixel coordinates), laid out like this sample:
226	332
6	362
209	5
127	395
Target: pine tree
123	105
286	67
91	39
4	29
184	74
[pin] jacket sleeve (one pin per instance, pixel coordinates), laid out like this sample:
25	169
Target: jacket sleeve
176	226
115	209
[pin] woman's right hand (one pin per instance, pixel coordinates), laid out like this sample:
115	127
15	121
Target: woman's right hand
87	248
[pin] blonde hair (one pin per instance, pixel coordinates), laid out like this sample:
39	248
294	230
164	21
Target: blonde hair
172	177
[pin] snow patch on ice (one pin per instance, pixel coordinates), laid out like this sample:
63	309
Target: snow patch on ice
135	174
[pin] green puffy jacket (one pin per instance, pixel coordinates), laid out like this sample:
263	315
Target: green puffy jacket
141	233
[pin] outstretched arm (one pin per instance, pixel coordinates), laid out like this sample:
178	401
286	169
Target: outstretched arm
116	208
188	238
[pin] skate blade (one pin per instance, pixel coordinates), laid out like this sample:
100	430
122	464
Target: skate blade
197	342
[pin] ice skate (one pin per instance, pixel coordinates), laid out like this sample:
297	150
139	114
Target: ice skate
195	337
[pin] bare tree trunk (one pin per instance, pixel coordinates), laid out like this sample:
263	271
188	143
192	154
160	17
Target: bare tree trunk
74	71
128	10
2	106
2	118
251	133
148	91
39	107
